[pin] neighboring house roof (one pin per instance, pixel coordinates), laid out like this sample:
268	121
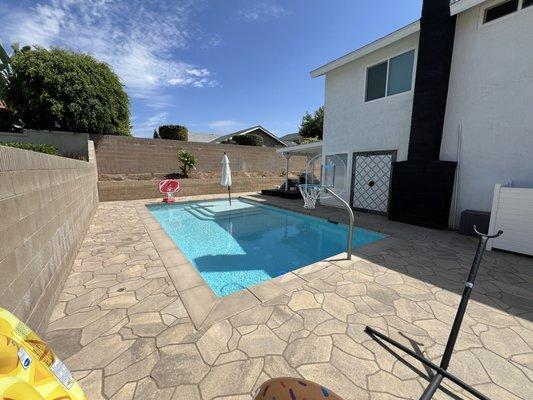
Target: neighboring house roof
220	139
202	137
456	7
291	139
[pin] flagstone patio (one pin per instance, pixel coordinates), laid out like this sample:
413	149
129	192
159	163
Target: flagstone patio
123	330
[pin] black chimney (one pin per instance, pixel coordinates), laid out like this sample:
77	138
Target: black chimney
422	186
435	48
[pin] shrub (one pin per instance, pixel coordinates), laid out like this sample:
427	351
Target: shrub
187	162
228	141
307	140
41	148
9	121
63	90
249	140
174	132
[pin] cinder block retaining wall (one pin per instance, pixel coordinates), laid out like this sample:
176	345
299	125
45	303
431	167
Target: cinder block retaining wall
46	204
132	190
118	155
128	167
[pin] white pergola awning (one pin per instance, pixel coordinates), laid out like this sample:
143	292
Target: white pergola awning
309	150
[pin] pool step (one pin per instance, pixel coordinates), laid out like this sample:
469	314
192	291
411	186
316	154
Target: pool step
206	214
196	214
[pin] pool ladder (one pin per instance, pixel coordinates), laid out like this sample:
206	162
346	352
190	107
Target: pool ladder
352	218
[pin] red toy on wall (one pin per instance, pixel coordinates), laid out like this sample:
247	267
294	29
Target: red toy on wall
169	187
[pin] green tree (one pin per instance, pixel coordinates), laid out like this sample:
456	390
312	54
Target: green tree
8	118
5	70
65	90
313	125
187	162
307	140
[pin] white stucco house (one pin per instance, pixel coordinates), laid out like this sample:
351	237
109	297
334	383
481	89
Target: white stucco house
487	124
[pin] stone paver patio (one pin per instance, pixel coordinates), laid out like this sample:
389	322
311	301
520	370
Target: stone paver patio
123	330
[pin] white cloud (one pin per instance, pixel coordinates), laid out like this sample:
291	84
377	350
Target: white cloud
195	77
199	83
178	81
263	10
146	128
198	72
137	38
226	126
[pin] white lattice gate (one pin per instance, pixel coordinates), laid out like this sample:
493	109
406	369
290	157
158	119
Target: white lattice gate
371	177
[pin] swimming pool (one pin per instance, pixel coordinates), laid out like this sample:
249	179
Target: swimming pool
238	246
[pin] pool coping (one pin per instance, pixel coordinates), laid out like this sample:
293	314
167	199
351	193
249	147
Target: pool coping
201	303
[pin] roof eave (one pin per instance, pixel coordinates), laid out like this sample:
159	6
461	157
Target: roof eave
455	8
267	132
369	48
463	5
302	149
245	131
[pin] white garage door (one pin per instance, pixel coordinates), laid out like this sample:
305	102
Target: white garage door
371	178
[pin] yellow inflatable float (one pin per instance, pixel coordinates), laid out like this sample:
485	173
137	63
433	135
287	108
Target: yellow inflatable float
29	369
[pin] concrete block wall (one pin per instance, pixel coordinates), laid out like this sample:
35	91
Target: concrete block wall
68	144
134	190
46	205
118	155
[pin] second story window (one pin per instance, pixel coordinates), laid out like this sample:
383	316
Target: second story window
504	8
500	10
390	77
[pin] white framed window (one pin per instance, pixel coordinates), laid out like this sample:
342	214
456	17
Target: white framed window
390	77
501	9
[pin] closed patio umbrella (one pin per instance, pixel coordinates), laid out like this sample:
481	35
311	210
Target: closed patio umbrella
225	179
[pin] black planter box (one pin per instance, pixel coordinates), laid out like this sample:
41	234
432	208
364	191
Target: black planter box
469	218
421	192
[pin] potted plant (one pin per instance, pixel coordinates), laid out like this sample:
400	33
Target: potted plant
187	162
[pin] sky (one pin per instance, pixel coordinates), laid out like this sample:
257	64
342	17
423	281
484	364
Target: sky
215	66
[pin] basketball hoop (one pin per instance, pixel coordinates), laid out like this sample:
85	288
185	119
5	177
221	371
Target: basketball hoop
321	181
310	193
315	187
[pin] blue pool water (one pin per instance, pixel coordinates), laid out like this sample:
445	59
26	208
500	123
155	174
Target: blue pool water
242	245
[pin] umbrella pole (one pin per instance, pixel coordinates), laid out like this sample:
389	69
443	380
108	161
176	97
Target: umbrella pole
229	194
